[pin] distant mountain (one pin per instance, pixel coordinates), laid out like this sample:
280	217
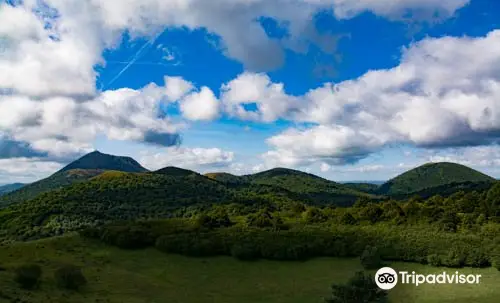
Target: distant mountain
434	175
79	170
317	189
98	160
7	188
365	187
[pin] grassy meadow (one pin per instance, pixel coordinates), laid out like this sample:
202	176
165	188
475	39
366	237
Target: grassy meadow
116	275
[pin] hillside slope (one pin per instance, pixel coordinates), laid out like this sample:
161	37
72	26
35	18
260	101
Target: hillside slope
316	189
82	169
432	175
55	181
7	188
110	196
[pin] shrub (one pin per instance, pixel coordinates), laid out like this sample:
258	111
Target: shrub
370	258
434	260
477	258
347	219
314	215
495	260
360	288
454	259
28	275
69	277
243	251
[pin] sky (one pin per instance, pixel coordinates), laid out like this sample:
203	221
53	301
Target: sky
348	90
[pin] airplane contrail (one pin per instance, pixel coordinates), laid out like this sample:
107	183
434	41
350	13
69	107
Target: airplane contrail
149	43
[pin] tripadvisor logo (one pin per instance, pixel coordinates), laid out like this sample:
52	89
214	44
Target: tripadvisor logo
386	278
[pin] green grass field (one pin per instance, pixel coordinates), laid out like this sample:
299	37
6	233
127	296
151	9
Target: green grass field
116	275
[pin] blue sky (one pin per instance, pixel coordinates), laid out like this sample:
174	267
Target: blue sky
352	90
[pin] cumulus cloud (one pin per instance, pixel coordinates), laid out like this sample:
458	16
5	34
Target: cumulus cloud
270	99
61	126
51	47
190	158
476	156
441	95
48	51
13	149
202	105
399	9
26	170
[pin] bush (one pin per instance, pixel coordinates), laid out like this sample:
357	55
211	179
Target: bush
454	259
360	288
495	260
434	260
28	275
347	219
370	258
69	277
245	252
477	258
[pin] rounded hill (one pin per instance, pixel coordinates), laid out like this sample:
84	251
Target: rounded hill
432	175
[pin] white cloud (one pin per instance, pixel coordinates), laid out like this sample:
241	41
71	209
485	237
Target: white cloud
51	47
332	144
397	9
62	126
49	51
477	156
177	87
202	159
270	99
26	170
442	94
202	105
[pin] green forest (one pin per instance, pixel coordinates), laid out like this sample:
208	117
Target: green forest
438	215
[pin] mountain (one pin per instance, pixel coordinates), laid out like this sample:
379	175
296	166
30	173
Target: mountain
318	190
175	171
430	176
7	188
98	160
80	170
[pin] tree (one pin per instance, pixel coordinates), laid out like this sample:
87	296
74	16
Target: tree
69	277
347	219
360	288
28	275
370	258
314	215
372	212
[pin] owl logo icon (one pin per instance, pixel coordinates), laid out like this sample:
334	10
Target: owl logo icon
386	278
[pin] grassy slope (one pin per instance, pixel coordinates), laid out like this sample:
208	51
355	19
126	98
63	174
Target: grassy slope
55	181
150	276
432	175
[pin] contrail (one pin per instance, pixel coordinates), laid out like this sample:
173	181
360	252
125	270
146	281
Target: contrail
134	58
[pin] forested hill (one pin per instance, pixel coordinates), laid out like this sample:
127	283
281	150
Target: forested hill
98	160
433	175
55	181
82	169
